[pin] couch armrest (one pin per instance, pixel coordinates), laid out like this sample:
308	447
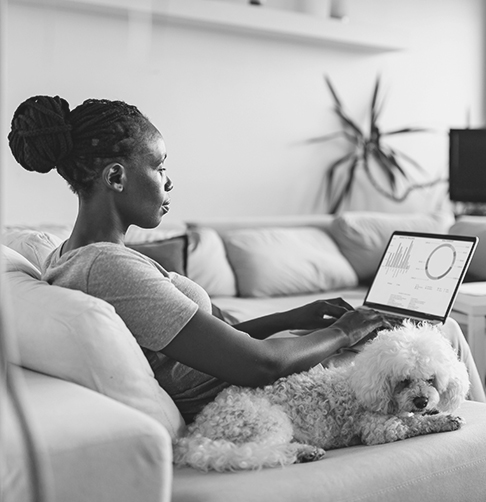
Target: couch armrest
94	447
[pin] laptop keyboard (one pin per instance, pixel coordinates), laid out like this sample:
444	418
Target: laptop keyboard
396	320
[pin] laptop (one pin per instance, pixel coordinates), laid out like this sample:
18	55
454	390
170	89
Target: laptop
419	275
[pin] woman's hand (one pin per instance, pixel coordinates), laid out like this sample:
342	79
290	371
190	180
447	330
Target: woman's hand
317	315
360	323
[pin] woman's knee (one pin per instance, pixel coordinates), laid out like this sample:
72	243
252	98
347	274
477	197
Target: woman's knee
453	332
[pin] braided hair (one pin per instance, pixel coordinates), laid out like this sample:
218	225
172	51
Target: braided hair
45	135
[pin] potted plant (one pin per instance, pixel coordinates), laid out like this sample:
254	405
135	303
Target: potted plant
368	147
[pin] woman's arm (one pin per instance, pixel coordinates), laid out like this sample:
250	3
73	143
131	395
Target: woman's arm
213	347
315	315
154	310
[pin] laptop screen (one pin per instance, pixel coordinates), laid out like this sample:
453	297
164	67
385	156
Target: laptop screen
419	274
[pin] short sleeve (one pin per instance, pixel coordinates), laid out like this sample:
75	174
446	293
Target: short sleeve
143	295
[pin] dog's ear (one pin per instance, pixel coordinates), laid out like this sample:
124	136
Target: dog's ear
372	386
375	372
453	385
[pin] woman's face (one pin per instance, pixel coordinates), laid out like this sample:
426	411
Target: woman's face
145	197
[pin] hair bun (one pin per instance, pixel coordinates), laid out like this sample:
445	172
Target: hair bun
40	135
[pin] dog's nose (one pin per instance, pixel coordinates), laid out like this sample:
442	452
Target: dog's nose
420	402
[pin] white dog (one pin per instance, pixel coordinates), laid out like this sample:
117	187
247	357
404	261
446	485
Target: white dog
404	383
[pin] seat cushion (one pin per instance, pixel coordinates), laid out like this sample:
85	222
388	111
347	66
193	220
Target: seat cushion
79	338
446	467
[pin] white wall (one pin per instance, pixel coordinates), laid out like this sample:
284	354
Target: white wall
235	110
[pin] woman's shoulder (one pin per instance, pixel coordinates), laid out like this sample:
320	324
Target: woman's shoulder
103	267
98	250
104	256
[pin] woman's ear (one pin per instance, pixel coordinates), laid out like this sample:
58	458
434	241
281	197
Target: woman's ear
114	176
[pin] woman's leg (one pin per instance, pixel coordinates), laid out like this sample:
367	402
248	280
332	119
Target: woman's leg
453	333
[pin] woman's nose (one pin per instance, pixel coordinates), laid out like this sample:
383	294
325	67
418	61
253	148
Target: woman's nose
168	185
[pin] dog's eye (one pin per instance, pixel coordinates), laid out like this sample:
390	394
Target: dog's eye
406	382
431	381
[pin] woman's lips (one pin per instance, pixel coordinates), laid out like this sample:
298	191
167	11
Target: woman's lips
165	206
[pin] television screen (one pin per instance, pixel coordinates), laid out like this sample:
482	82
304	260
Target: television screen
467	165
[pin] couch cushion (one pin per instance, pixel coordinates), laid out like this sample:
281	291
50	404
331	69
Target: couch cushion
207	264
286	261
362	236
446	467
98	450
171	253
79	338
474	225
166	230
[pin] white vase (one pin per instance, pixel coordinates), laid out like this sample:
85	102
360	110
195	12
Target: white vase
318	8
339	10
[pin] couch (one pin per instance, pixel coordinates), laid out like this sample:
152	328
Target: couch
103	424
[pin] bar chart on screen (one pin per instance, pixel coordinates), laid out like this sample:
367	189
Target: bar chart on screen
398	261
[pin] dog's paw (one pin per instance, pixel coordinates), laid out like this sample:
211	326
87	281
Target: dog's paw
309	454
453	423
445	423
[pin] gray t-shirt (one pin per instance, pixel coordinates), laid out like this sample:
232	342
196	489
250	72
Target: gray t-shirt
154	304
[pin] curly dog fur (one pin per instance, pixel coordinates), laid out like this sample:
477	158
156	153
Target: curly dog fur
404	383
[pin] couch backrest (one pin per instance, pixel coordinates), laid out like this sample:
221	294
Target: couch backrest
228	255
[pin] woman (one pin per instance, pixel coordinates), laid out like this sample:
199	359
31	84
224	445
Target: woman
113	158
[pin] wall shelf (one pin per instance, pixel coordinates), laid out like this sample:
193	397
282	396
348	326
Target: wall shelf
248	19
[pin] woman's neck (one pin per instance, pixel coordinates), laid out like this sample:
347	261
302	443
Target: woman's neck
95	223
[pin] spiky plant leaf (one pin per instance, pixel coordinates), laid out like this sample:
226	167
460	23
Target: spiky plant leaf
348	186
333	167
366	147
333	92
389	155
386	167
326	137
409	159
405	130
338	108
374	108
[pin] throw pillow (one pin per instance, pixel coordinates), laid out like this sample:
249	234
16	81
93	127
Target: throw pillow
80	338
207	264
286	261
32	244
166	230
171	254
362	237
15	262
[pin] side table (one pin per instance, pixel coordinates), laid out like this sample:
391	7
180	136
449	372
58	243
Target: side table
469	311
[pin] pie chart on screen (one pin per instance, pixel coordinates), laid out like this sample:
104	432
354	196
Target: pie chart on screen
440	261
